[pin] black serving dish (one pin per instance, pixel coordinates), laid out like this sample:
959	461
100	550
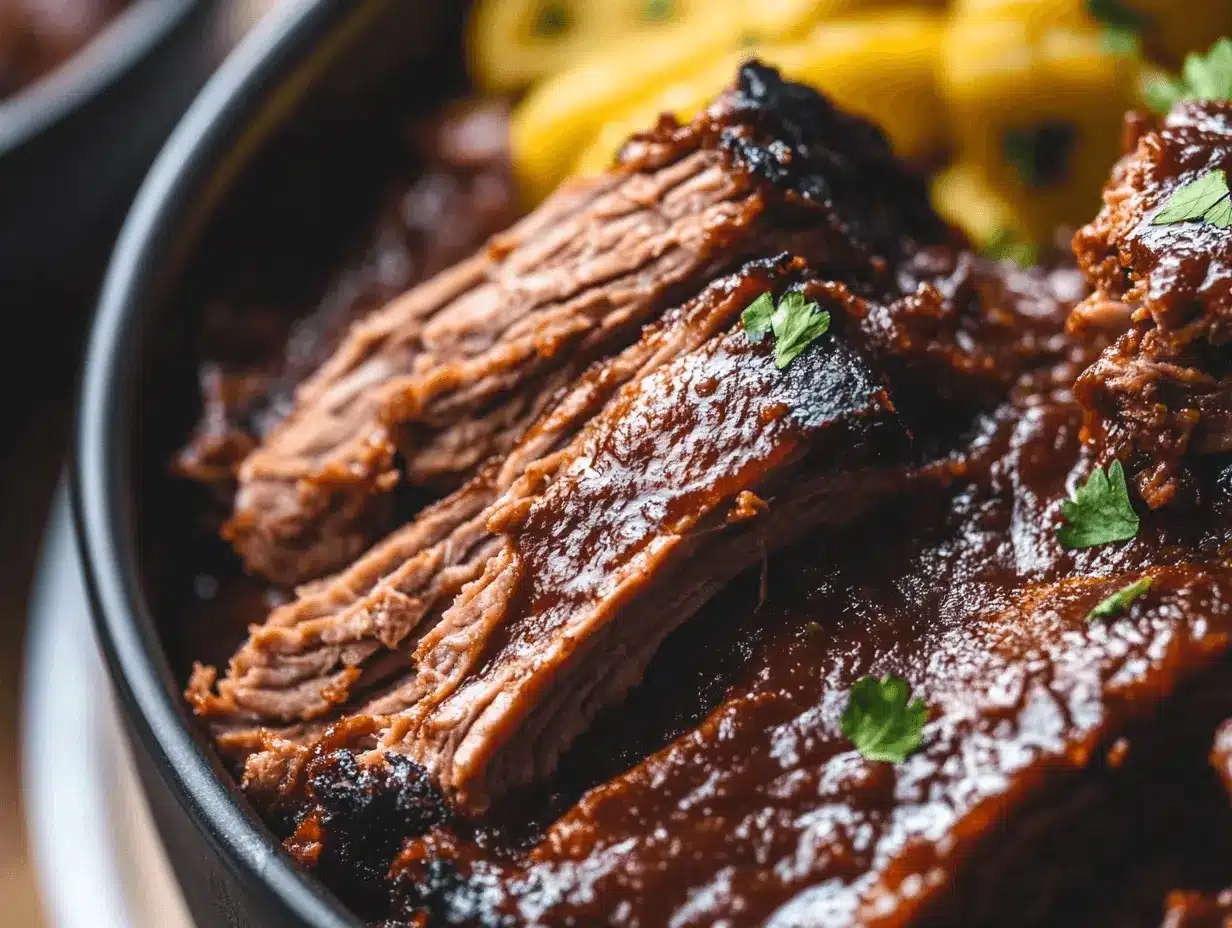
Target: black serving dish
74	144
282	138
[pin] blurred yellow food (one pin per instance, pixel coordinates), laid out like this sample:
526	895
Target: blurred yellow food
903	99
1038	111
883	67
515	42
560	115
1028	95
1035	15
962	195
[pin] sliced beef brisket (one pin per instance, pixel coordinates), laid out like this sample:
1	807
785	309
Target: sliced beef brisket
1164	389
305	658
695	473
456	369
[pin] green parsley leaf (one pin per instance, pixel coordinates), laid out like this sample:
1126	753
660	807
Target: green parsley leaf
795	323
1210	77
1004	245
879	722
1116	13
756	316
1203	77
1221	213
1160	94
1119	601
1100	512
1205	198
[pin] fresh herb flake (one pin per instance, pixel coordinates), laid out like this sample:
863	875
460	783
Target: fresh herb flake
756	316
1220	214
795	323
1100	512
1205	198
1004	245
1119	601
1210	76
880	723
1203	77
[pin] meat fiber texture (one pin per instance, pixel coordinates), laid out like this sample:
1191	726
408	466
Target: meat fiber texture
425	390
1161	392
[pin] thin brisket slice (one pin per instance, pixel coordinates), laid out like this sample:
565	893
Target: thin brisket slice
454	371
307	657
695	473
1164	389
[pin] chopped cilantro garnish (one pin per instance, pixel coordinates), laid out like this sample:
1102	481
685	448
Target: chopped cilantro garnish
1004	245
795	324
1203	77
757	315
552	19
880	723
1118	602
1100	512
1207	198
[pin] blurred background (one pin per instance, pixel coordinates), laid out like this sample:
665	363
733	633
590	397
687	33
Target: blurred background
88	91
1013	109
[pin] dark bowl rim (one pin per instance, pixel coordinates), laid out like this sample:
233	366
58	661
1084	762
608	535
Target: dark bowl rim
102	513
116	50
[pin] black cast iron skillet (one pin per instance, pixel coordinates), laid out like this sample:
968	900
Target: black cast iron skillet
74	143
290	130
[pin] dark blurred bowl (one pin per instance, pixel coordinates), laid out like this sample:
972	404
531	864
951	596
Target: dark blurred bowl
292	129
75	143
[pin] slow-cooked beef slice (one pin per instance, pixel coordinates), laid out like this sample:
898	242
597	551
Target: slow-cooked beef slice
1164	389
463	193
1026	711
923	339
453	371
305	658
697	472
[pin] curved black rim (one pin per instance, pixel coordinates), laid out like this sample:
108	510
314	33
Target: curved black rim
102	496
112	53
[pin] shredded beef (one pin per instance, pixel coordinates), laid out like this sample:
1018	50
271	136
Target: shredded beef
1163	391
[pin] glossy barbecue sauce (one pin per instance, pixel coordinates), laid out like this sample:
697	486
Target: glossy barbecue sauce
1063	777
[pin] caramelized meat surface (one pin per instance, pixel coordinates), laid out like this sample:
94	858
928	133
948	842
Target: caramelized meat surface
455	370
1163	390
603	680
